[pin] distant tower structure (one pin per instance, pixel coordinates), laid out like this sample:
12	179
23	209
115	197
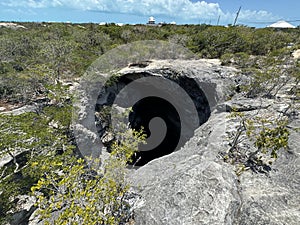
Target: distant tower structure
151	20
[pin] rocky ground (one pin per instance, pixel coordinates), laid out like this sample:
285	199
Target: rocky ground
194	185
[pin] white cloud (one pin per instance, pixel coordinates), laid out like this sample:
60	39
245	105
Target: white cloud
32	3
247	15
179	9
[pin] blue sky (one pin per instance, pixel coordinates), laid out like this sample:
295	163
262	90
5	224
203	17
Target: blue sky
254	12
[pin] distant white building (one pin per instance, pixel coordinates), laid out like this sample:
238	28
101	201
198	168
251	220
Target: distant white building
151	20
281	24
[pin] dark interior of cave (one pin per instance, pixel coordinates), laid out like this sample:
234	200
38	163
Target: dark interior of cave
151	107
142	112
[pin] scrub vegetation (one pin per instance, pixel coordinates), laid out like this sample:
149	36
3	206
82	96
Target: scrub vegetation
36	65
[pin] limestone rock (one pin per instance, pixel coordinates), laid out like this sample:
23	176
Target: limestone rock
189	186
196	76
25	207
296	54
194	186
21	110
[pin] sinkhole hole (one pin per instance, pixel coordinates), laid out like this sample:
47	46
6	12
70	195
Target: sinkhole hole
168	108
165	134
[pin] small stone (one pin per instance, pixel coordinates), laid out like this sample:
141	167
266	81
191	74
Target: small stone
107	138
296	54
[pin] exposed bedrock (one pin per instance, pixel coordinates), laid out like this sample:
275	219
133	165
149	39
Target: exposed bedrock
190	183
169	103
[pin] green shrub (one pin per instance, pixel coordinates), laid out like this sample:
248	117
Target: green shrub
80	192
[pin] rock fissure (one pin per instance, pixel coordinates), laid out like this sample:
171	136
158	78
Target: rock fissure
238	213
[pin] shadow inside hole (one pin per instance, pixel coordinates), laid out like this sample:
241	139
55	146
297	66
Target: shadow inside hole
142	113
151	107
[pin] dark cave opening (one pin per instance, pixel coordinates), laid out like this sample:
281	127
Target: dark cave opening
175	127
142	113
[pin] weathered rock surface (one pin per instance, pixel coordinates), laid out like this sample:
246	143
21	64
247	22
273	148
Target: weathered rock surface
189	186
296	54
194	186
21	110
24	208
215	81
